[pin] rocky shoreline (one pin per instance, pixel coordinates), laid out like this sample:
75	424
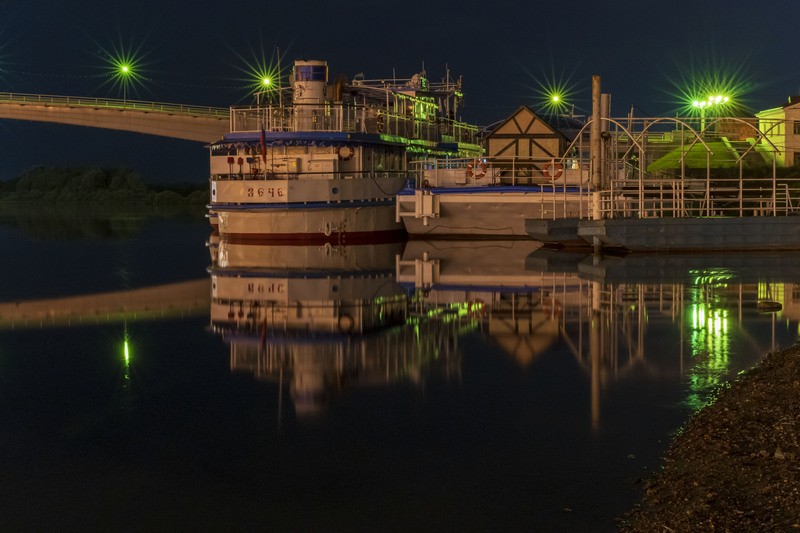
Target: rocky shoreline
736	464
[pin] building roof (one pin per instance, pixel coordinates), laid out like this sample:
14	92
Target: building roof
565	125
792	101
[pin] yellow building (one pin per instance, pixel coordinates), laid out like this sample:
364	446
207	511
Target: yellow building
781	125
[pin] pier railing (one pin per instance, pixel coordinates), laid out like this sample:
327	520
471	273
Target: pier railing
693	167
350	119
700	197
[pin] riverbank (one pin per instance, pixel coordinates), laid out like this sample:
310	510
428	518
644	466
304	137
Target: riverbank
736	464
98	186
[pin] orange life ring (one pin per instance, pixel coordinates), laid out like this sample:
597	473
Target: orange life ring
476	169
553	170
345	323
345	153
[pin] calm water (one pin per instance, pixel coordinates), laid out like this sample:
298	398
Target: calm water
493	386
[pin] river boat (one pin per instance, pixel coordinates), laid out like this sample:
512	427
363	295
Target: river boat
322	162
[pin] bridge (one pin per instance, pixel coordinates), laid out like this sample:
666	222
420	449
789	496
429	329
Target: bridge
192	123
149	303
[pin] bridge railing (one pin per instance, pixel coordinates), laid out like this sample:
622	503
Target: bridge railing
134	105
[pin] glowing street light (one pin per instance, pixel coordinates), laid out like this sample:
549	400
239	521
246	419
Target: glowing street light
125	72
713	102
264	86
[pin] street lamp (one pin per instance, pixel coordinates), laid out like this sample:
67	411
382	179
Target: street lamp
125	72
713	102
265	83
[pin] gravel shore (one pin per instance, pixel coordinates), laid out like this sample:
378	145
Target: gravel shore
736	464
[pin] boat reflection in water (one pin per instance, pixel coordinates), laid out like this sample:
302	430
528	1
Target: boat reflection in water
324	318
321	319
697	320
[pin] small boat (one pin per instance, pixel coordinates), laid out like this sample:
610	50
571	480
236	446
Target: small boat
531	169
323	162
492	197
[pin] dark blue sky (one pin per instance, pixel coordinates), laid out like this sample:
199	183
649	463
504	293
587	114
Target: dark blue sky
197	52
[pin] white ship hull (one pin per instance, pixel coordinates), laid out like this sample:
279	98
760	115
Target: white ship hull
487	214
375	223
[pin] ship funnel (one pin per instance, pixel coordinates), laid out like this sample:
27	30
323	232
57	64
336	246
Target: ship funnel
310	79
308	93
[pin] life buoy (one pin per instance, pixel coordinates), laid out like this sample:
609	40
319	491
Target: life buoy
553	170
345	153
477	169
346	323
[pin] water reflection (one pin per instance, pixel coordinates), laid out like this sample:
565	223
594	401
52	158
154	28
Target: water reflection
322	319
615	316
474	372
71	221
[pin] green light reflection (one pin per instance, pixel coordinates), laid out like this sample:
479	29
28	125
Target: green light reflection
709	342
126	357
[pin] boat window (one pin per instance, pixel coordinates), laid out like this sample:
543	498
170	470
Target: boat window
311	73
223	149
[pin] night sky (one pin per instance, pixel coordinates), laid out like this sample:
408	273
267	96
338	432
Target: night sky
198	53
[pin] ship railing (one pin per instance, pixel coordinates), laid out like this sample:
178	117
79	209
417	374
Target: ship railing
110	103
560	185
700	197
253	172
350	119
501	170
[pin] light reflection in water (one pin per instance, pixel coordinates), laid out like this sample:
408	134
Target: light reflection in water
127	358
324	319
710	348
407	321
